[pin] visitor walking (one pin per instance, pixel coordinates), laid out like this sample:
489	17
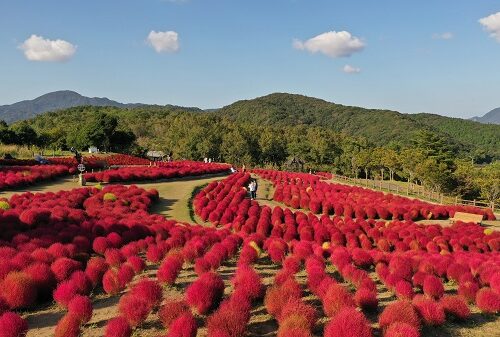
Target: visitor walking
251	188
255	189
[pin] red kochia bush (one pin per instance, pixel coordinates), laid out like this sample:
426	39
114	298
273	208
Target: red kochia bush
488	301
136	263
433	287
64	293
81	308
400	311
118	327
149	290
96	267
43	278
169	269
247	279
18	290
455	306
430	311
134	309
336	298
278	295
111	283
12	325
183	326
229	320
296	307
400	329
64	267
170	311
68	326
205	293
366	299
348	322
468	290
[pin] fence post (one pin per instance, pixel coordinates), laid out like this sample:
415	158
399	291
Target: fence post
474	202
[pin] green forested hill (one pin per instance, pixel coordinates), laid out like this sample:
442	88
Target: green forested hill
379	127
285	116
478	137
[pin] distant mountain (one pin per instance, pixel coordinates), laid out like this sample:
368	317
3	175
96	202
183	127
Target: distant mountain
56	100
492	117
59	100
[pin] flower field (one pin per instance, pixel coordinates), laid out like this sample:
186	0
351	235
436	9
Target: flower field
161	170
332	261
130	169
17	176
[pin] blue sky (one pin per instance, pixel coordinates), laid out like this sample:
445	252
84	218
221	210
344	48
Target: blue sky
423	56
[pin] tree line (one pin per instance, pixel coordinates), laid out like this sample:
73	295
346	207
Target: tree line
429	159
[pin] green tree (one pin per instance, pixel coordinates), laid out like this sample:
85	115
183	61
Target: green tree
390	160
272	147
236	149
363	159
409	159
488	181
6	135
24	134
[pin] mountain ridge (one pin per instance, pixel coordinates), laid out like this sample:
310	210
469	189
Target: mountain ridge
492	117
59	100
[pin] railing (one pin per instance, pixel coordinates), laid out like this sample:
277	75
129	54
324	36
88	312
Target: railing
413	190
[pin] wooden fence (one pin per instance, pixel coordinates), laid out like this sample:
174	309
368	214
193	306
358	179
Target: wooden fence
413	190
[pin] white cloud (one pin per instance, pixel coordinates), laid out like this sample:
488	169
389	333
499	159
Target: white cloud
348	69
36	48
443	36
333	44
492	24
164	42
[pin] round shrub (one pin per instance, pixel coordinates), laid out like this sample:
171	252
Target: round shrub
488	301
336	298
43	279
455	306
4	205
433	287
109	197
348	322
81	308
278	295
68	326
149	290
64	267
170	311
12	325
400	311
134	309
183	326
366	299
400	329
18	290
430	311
111	282
205	293
64	293
118	327
296	307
